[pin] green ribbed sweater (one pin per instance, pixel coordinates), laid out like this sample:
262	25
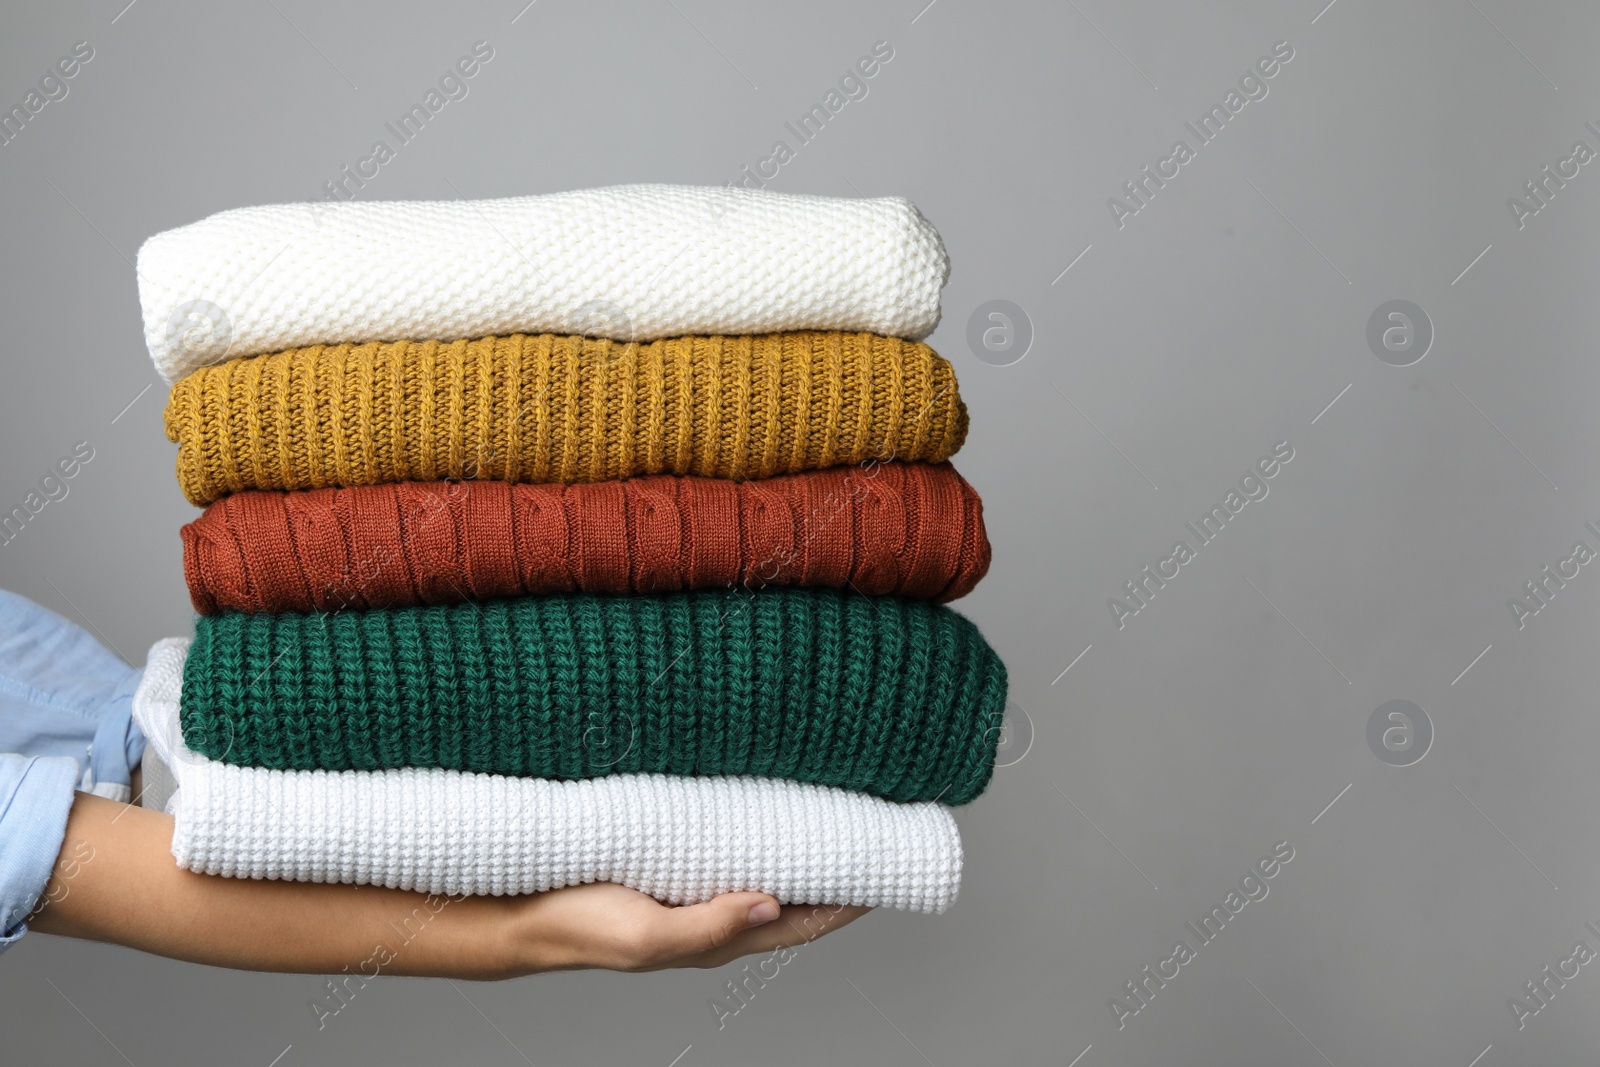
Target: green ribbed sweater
900	698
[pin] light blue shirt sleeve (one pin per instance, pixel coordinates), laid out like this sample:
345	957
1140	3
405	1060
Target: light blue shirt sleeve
66	723
35	798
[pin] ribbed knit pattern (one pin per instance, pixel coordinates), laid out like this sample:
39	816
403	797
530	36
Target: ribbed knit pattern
681	840
899	698
560	409
909	529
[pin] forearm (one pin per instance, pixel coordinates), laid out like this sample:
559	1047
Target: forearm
117	881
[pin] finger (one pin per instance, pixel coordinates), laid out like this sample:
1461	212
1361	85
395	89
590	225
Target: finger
671	934
796	925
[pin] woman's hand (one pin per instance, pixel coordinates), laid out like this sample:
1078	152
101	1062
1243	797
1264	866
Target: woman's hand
115	880
620	929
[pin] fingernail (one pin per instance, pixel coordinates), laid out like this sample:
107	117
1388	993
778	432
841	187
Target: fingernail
764	912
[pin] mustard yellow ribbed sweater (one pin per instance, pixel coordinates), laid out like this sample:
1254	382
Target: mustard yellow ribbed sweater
560	409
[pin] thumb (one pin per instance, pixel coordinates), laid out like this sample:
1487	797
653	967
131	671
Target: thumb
699	927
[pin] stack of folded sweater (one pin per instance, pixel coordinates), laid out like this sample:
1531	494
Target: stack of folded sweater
596	536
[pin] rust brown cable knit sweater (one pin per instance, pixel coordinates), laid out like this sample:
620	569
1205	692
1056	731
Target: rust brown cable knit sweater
906	529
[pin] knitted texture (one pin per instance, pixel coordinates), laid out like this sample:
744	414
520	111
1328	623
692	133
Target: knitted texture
899	698
633	263
561	409
912	529
681	840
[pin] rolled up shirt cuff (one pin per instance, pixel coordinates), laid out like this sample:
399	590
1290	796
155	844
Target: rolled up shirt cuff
118	745
35	800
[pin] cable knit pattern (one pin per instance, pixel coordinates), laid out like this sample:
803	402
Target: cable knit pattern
681	840
899	698
910	529
561	409
633	263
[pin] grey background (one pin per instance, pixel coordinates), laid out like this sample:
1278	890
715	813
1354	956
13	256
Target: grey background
1222	319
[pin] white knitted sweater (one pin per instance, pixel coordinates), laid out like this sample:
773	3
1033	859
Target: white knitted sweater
681	840
629	262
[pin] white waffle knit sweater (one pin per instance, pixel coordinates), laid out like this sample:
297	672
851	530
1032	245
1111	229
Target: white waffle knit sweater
681	840
629	262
